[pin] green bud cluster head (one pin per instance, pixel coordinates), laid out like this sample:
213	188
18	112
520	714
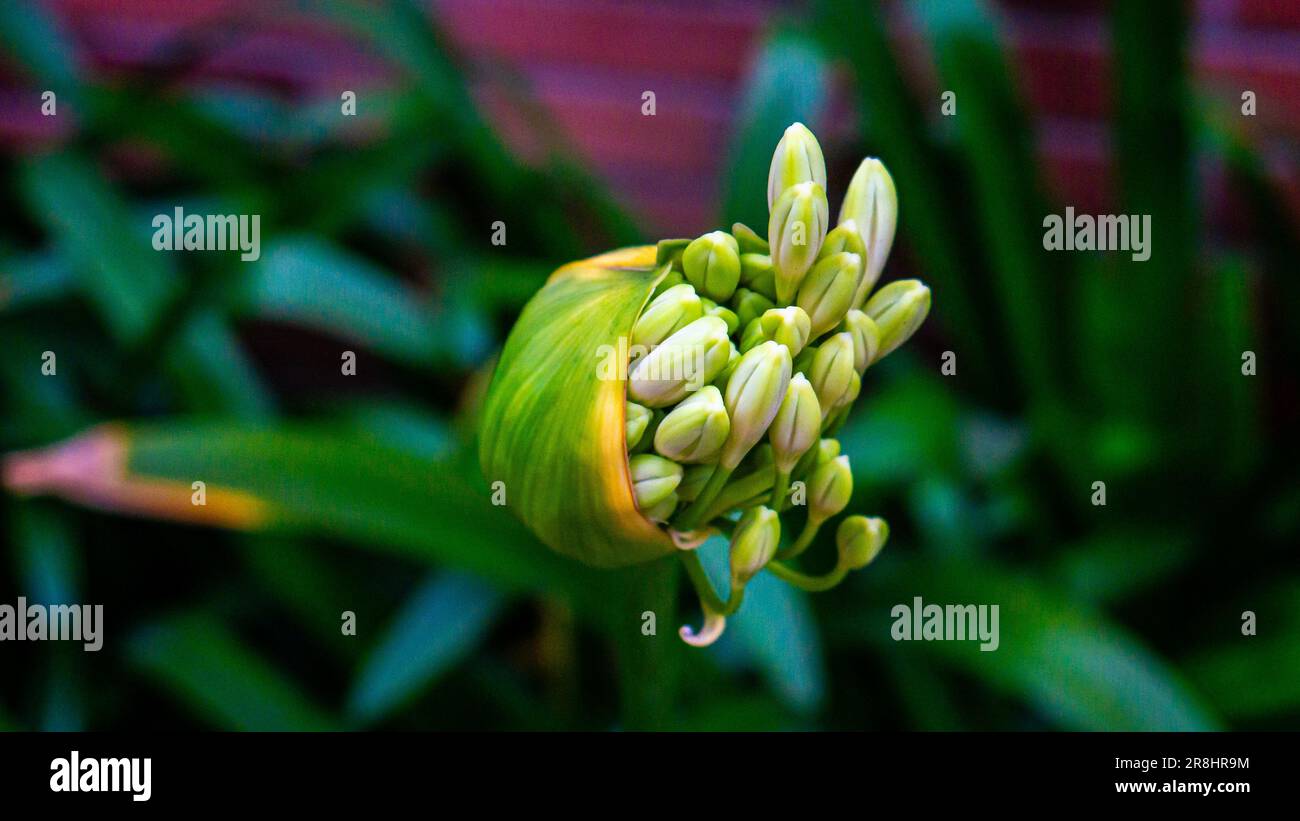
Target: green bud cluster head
796	230
860	539
753	543
748	351
898	309
871	204
798	158
696	429
712	265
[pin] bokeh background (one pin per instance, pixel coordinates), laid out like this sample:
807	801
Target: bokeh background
362	494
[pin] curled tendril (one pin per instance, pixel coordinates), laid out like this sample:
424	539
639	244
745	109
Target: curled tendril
709	632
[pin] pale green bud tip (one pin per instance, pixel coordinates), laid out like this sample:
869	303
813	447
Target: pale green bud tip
898	309
654	479
798	158
832	371
797	424
860	540
827	449
666	314
866	338
754	543
748	240
638	419
827	292
712	265
796	231
829	488
684	362
871	202
695	430
754	393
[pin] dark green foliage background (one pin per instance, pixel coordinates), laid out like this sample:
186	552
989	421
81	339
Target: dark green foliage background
1073	368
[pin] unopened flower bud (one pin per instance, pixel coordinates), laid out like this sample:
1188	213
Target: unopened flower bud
803	362
754	393
654	478
695	430
725	314
684	362
829	489
789	327
832	371
844	238
860	540
827	292
663	511
753	543
797	424
898	309
749	305
712	265
758	274
798	158
851	395
796	230
827	449
638	418
872	204
749	241
669	252
666	314
866	338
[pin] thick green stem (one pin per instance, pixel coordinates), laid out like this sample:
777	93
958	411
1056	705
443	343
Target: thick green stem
691	518
805	539
803	581
780	487
648	662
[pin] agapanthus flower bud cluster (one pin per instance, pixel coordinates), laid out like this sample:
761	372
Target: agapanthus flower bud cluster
776	336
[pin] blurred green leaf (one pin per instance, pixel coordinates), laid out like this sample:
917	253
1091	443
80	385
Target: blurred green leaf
1257	676
776	630
34	279
320	286
34	39
440	623
127	281
1077	669
208	668
786	85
